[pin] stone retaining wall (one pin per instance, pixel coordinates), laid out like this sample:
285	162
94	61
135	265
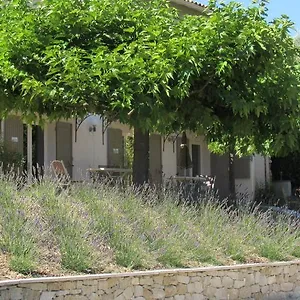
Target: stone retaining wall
255	281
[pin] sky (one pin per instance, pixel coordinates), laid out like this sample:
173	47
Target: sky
277	8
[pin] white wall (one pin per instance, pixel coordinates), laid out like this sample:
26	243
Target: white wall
169	163
89	150
262	164
204	152
49	143
246	187
258	165
169	155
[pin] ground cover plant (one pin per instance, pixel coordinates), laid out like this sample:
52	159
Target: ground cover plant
94	228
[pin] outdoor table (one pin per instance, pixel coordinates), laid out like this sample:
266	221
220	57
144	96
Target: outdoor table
111	173
202	182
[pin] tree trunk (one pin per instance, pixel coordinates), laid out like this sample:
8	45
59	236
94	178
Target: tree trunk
140	157
231	176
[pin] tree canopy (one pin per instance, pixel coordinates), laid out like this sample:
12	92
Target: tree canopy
67	58
229	74
244	84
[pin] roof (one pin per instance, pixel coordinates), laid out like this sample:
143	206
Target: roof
192	4
196	3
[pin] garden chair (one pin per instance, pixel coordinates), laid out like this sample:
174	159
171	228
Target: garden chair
61	174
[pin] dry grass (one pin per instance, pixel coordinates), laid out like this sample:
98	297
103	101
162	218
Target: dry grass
100	228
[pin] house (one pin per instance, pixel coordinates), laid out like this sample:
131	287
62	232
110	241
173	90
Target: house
91	142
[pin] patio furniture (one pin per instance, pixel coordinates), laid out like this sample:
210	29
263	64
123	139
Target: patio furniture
112	174
191	189
60	173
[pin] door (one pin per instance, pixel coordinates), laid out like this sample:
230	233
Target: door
155	160
181	171
219	169
196	158
64	145
115	151
14	134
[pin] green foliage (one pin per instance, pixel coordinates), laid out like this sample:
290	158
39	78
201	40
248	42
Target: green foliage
229	74
243	80
10	159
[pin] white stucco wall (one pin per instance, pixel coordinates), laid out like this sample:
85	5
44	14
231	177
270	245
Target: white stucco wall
204	152
169	155
169	163
89	150
49	143
246	187
262	170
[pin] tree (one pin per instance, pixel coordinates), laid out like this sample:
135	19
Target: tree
242	88
232	76
69	58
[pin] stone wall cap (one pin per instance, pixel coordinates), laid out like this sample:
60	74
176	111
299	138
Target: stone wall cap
105	276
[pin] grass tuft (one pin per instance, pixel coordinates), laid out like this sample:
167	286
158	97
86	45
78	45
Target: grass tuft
97	228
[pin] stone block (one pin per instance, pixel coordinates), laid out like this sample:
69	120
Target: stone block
232	274
146	280
181	289
158	279
227	282
233	294
102	285
128	293
89	289
125	283
196	279
135	281
170	280
37	286
245	292
138	291
179	297
191	288
112	282
221	294
118	292
183	279
198	297
93	296
158	294
120	297
48	295
147	294
15	293
271	279
170	291
238	284
287	287
210	292
90	282
265	290
32	295
55	286
255	288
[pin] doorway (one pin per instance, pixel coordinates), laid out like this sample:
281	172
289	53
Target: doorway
64	145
